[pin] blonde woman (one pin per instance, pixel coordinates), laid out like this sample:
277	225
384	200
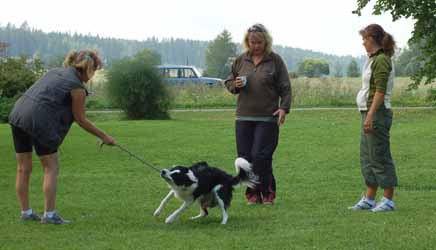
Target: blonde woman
260	79
42	117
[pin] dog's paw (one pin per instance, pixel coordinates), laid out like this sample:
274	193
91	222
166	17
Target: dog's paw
196	217
169	220
201	215
225	218
157	212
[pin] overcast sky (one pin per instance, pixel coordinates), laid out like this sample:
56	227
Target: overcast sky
321	25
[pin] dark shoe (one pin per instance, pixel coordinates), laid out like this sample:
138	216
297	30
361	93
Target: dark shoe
55	219
252	199
32	217
268	199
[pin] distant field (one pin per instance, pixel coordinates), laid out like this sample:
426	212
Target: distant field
110	196
307	92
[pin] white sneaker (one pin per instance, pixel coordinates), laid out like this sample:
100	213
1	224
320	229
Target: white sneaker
363	204
385	205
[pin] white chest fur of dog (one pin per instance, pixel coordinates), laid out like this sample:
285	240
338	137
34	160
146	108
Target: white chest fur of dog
207	185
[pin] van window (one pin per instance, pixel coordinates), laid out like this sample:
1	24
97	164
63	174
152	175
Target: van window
170	73
189	73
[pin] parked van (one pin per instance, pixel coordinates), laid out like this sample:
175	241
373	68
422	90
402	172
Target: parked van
184	74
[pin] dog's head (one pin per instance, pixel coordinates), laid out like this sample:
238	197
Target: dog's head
179	177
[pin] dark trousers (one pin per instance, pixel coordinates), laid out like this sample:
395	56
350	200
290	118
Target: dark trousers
377	166
256	142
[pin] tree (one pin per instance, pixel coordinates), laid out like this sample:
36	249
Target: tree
217	55
353	69
337	69
136	87
407	63
424	33
313	68
293	74
54	61
16	76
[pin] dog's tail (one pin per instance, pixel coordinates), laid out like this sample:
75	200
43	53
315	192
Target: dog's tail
245	172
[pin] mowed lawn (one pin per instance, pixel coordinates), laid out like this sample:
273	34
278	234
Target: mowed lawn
110	197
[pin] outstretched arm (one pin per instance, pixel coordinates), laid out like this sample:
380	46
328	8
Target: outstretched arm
78	97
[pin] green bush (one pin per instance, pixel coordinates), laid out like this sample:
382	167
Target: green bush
16	75
313	68
136	87
96	104
293	74
431	96
6	105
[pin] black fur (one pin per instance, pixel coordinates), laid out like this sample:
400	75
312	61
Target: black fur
207	185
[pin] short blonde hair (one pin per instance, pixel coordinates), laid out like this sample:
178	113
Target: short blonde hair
259	31
85	61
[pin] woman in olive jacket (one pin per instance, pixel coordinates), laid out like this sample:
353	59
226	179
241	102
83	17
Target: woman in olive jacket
374	104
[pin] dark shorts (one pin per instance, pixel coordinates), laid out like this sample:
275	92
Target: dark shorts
24	143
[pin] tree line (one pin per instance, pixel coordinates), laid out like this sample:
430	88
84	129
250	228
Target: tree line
52	46
221	52
213	56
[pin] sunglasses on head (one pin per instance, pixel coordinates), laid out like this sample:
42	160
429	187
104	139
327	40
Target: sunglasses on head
256	28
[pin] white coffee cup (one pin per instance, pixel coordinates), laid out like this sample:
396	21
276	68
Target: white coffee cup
243	79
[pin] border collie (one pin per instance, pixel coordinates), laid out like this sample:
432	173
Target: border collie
207	185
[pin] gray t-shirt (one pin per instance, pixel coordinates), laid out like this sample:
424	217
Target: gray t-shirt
45	109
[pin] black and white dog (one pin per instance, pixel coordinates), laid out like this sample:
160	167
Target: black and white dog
208	185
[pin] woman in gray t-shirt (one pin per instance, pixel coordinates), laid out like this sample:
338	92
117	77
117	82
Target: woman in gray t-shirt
41	119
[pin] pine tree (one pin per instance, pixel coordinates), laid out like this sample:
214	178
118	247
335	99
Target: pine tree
218	53
353	69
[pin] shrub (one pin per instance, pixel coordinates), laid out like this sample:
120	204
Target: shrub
431	96
136	87
313	67
353	69
16	75
293	74
6	105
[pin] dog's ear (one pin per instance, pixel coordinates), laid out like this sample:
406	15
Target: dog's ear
183	178
179	167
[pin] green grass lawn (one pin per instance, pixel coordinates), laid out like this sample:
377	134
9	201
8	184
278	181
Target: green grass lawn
110	197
